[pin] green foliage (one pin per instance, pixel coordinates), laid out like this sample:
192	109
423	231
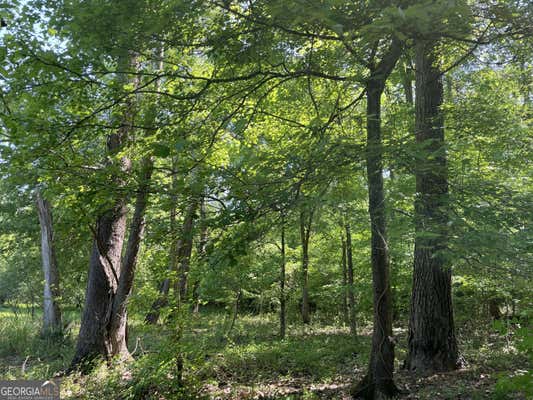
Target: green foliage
257	108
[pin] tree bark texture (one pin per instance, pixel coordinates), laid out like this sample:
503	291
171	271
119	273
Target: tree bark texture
95	338
117	330
432	345
378	382
51	309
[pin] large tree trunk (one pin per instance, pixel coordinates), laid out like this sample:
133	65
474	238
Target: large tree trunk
432	345
351	294
102	284
94	338
51	310
282	302
305	232
119	317
378	383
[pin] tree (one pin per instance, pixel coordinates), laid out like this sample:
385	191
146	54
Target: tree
51	295
95	337
282	273
378	383
432	342
349	271
306	218
345	310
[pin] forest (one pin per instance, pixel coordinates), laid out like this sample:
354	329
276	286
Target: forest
267	199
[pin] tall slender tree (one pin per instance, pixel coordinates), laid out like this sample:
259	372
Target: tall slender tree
378	383
306	218
51	309
282	273
349	271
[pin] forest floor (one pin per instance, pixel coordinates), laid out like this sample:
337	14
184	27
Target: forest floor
314	362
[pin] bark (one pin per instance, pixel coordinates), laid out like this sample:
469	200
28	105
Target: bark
351	294
432	345
282	299
345	314
305	232
185	249
494	308
378	383
51	310
117	330
104	270
94	338
407	83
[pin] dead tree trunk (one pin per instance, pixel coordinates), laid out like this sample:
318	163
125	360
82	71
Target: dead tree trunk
378	383
51	310
432	345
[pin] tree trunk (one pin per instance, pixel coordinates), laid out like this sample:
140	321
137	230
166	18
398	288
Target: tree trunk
235	311
345	314
94	338
102	284
407	83
186	249
282	304
51	310
119	317
162	300
202	254
351	294
378	383
432	345
305	231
